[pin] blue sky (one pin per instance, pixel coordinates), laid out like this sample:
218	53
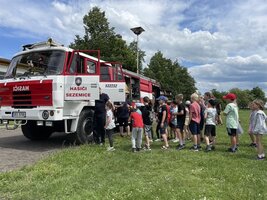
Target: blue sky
222	42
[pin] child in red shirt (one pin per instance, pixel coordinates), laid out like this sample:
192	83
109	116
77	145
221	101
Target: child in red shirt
138	125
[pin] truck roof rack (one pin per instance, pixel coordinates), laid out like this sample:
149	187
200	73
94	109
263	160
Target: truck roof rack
50	42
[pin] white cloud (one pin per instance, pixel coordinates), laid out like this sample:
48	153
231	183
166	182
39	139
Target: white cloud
242	72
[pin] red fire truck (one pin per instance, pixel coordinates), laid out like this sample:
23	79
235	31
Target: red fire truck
51	88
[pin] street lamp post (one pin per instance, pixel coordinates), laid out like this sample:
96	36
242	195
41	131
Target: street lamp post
137	31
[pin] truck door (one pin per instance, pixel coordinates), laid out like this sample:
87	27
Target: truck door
81	81
112	81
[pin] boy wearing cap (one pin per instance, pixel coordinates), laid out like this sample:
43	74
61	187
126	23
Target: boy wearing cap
210	116
162	120
232	120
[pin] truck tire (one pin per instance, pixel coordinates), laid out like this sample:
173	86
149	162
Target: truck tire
84	132
34	132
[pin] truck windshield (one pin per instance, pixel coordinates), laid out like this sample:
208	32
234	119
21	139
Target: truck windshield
36	64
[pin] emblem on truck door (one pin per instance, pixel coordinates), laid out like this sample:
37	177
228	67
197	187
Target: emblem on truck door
78	81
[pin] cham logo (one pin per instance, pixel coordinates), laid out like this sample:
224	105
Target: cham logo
78	81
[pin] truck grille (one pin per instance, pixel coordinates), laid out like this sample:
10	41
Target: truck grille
22	99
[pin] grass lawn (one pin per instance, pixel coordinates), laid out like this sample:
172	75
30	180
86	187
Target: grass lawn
90	172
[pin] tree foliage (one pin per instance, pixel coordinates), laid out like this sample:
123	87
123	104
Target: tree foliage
171	75
99	35
258	93
244	97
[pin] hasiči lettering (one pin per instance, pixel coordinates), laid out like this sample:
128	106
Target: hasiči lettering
78	88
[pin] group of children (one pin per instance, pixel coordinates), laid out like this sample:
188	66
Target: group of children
188	120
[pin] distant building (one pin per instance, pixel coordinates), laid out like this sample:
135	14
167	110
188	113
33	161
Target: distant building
3	66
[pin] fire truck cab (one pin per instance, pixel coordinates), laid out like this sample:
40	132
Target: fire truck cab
49	88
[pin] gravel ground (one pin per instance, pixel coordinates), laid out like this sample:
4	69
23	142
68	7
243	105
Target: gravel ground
17	151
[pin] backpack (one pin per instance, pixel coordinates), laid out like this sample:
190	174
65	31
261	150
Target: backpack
151	116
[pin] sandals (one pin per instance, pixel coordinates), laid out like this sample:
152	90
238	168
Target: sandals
165	147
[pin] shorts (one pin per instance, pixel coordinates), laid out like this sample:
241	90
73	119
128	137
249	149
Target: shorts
194	128
186	122
148	130
173	125
231	131
162	130
210	130
123	122
180	125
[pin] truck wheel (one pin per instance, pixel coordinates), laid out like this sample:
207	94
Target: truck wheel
34	132
84	133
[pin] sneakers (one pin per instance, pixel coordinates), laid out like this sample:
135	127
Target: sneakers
252	145
147	148
175	140
260	157
134	150
194	148
165	147
208	148
199	147
180	147
232	150
110	149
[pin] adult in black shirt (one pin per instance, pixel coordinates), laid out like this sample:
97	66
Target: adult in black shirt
100	118
147	120
162	120
122	117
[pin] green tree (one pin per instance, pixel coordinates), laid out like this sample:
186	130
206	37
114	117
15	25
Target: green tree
243	97
171	75
258	93
99	35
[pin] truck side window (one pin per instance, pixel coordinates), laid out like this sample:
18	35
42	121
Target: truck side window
104	73
77	65
90	67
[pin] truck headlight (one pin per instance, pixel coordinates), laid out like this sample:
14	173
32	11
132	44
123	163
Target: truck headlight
45	114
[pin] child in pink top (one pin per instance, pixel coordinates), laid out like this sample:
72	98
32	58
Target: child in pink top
194	118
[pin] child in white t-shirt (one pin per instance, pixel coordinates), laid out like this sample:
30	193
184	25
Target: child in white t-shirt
110	125
210	127
173	123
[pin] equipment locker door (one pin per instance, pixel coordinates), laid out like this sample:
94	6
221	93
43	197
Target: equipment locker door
112	82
